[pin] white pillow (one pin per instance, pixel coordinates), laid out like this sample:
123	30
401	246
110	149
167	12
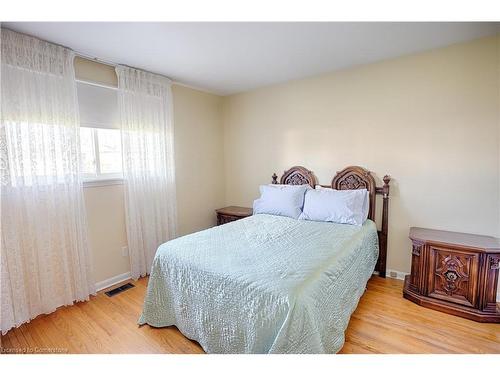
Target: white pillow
338	206
282	200
366	201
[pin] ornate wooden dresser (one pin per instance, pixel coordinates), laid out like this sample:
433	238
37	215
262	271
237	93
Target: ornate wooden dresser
456	273
232	213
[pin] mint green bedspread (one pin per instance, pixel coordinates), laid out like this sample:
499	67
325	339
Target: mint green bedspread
264	284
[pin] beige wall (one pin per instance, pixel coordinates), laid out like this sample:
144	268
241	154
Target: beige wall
430	120
199	158
199	168
106	226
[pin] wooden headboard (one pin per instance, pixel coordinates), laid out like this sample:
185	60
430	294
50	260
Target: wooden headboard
352	177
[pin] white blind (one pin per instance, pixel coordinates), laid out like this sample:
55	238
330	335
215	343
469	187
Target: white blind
98	106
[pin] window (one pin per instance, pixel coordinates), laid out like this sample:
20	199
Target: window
100	138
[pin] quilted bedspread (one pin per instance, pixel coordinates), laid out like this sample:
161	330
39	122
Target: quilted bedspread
263	284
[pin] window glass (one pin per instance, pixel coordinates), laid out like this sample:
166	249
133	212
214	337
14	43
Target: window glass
110	150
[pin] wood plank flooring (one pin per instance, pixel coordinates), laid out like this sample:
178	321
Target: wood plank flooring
384	322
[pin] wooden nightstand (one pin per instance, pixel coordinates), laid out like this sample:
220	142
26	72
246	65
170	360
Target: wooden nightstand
456	273
232	213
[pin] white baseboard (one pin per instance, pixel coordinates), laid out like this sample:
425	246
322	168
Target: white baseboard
112	281
394	274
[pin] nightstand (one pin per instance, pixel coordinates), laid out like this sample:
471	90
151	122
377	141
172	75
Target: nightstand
456	273
232	213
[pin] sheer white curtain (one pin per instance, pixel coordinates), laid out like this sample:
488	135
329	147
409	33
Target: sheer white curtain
44	255
145	107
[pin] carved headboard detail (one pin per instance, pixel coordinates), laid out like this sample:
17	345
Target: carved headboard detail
297	176
352	177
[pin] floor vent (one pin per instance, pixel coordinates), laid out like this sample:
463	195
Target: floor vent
124	287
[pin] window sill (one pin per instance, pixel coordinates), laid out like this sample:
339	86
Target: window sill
102	182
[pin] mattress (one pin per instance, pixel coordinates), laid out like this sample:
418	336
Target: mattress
263	284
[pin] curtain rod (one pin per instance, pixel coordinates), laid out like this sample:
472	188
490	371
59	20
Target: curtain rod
88	57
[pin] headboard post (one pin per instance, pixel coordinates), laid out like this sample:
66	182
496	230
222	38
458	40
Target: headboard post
381	263
275	179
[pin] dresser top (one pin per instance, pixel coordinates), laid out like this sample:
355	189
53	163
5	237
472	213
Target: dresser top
235	211
477	241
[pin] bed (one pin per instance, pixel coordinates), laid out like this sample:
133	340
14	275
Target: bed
269	284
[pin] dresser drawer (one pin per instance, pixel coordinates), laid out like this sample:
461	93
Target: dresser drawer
453	275
223	219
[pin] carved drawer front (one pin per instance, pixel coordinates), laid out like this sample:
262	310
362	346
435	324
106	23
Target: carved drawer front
453	275
416	277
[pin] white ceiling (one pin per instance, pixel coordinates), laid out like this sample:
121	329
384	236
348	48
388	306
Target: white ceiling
227	58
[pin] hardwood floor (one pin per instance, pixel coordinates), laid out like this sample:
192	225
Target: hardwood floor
384	322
